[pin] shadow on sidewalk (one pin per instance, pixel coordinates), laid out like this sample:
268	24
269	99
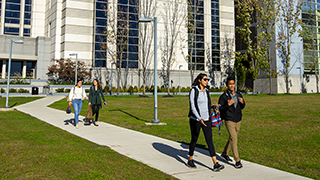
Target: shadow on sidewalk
176	153
71	122
137	118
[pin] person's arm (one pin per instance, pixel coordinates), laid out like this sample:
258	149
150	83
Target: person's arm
192	105
70	95
90	95
223	103
104	101
242	103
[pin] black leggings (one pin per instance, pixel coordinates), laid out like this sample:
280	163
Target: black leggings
195	130
95	110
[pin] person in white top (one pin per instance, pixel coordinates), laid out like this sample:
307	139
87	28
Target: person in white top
76	95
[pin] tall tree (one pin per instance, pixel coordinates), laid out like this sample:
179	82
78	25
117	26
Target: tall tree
253	16
310	39
147	9
117	33
174	17
63	70
288	23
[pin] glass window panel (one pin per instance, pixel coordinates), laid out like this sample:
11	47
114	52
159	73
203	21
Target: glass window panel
27	15
215	5
200	67
15	7
27	22
214	25
216	46
215	12
12	20
215	32
200	24
133	48
100	54
200	38
12	14
14	1
26	31
30	66
200	45
216	53
133	2
27	8
199	10
214	18
100	30
123	1
11	30
199	17
122	16
133	40
101	6
200	52
133	64
215	1
16	68
200	60
216	60
133	56
199	31
100	63
101	22
133	32
133	25
101	38
216	68
100	14
26	35
28	2
133	17
133	9
122	8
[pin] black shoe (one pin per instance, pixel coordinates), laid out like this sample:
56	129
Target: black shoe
191	164
226	157
218	167
238	165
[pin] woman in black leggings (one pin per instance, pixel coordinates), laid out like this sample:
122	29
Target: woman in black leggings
200	104
95	100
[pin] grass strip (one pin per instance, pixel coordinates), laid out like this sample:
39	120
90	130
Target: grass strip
279	131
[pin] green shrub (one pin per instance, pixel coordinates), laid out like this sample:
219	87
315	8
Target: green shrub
87	90
67	90
23	91
106	89
2	90
135	89
60	90
11	90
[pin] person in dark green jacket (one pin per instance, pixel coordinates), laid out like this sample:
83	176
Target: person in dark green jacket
95	99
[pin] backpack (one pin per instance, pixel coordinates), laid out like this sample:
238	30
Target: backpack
215	118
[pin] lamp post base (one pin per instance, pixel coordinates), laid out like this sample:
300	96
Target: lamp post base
155	121
6	106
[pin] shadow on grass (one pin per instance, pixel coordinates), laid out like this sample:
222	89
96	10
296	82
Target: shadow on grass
13	105
137	118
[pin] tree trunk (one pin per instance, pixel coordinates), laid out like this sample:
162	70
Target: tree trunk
317	82
253	87
144	87
287	83
118	83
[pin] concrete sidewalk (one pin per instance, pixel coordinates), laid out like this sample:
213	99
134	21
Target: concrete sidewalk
164	155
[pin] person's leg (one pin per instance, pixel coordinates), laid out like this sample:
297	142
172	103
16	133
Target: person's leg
76	109
234	145
233	139
195	130
228	144
207	131
97	113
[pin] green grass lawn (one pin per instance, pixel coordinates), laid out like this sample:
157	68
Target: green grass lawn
279	131
32	149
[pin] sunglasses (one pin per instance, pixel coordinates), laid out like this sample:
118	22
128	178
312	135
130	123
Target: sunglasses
206	79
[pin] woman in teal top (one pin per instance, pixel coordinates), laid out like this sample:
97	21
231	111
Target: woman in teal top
95	100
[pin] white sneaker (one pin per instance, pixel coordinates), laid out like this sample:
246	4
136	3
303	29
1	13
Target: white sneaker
77	126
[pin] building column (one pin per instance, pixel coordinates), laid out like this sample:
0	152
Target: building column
4	66
24	69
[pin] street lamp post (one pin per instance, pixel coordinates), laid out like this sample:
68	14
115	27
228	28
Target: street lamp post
75	76
180	66
9	69
147	19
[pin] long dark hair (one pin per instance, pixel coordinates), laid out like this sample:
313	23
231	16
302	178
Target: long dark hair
199	77
99	85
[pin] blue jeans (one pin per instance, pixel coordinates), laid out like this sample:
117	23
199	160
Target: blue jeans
77	105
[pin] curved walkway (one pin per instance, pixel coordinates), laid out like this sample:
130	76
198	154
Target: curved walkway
164	155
